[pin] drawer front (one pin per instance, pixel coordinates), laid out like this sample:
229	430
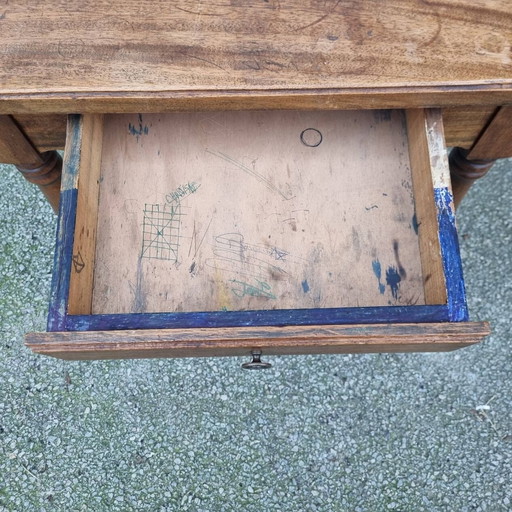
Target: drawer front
215	234
239	341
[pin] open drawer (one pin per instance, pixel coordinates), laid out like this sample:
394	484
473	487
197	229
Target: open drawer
222	233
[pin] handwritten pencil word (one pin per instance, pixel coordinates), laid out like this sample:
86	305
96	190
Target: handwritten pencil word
182	191
243	289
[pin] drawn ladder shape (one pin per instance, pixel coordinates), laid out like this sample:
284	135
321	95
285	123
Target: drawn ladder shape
161	232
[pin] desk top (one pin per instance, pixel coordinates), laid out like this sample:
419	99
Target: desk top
98	55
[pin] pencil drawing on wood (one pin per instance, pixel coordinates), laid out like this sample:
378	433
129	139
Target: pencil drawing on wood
244	211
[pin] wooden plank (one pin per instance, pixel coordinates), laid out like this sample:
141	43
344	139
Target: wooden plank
252	99
255	211
104	59
447	230
46	132
59	290
427	145
271	340
496	141
463	125
452	264
426	218
84	244
15	147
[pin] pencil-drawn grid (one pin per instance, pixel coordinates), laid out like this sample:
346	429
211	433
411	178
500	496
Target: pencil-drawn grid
161	231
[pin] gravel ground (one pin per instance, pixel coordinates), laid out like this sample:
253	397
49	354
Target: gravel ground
330	433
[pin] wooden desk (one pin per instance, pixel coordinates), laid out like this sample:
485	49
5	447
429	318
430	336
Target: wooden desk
101	57
149	56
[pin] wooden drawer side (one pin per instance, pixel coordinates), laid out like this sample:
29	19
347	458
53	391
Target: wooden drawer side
439	246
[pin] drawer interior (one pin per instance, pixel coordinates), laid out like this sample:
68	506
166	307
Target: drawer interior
239	211
256	219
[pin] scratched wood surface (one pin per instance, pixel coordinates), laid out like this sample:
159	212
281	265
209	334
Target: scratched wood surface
255	210
84	241
426	159
462	126
105	57
316	339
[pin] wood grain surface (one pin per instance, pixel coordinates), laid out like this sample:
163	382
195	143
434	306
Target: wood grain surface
423	165
316	339
144	55
496	140
46	132
15	148
84	242
462	126
255	210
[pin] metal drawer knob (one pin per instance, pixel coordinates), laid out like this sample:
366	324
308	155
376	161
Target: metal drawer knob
256	363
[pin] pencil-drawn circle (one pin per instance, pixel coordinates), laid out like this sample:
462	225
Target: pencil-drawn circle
311	137
70	48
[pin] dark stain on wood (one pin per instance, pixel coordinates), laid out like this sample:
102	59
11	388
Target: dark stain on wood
138	131
377	270
393	280
401	269
414	223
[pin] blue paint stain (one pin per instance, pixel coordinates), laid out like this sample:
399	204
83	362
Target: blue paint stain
254	318
393	280
305	286
63	258
452	265
138	131
377	270
415	224
382	116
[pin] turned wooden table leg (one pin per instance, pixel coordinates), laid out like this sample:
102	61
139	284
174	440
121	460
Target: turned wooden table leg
464	172
46	176
42	169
